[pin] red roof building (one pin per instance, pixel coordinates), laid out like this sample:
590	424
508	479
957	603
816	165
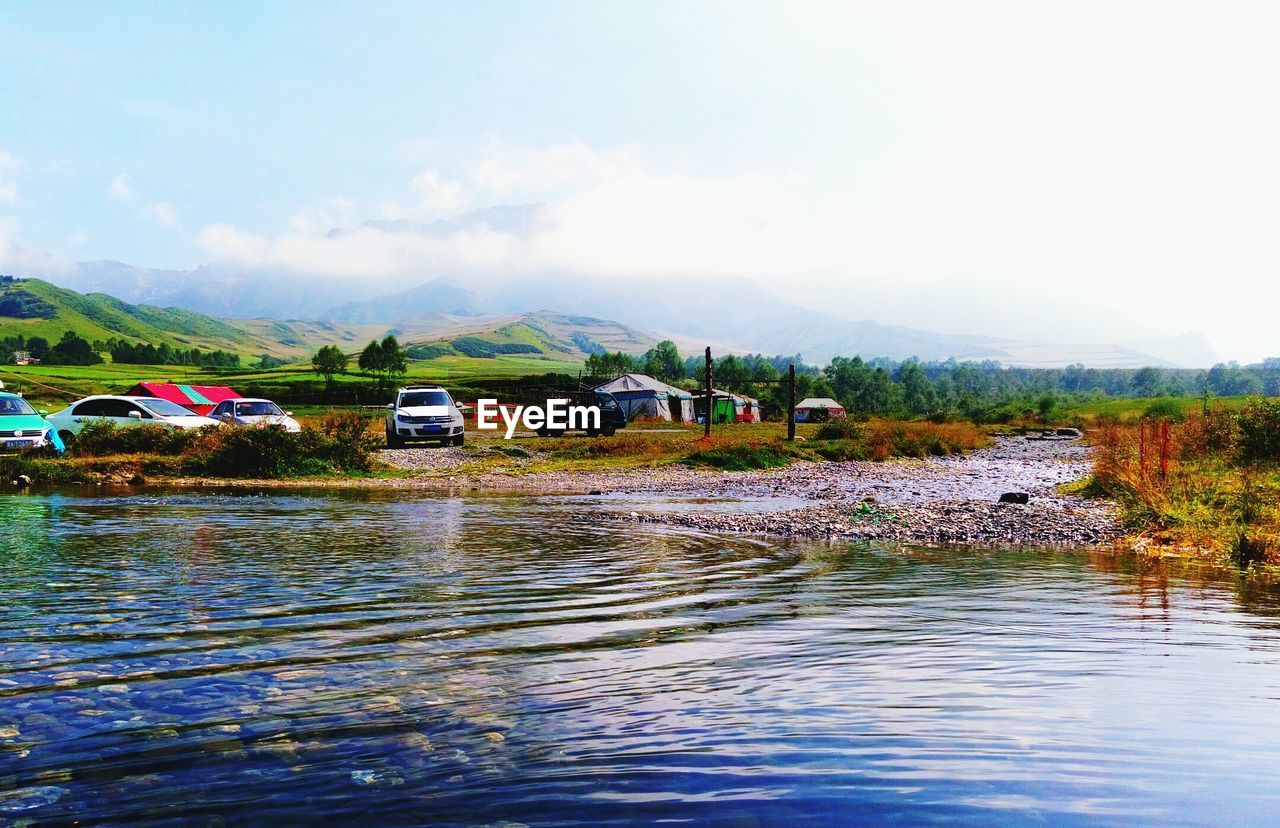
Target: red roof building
199	398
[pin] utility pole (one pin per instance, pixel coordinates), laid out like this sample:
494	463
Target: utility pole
706	427
791	403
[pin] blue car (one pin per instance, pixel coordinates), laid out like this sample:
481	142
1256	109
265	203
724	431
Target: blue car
22	427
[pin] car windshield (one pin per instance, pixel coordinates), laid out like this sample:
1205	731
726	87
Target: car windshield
15	407
164	408
606	401
417	399
260	408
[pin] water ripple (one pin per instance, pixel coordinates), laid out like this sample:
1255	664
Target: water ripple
401	659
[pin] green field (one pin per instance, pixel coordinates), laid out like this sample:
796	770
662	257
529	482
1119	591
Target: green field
59	384
1127	409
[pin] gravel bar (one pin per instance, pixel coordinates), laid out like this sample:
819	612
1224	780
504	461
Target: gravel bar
935	500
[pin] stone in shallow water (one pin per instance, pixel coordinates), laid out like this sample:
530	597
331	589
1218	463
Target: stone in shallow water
375	778
293	675
26	799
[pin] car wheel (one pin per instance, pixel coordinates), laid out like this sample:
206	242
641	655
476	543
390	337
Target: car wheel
609	430
458	440
67	438
394	441
593	432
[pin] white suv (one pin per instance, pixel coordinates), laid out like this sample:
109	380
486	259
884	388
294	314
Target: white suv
423	412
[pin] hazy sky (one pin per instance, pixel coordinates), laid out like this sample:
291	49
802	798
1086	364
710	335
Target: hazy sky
1018	168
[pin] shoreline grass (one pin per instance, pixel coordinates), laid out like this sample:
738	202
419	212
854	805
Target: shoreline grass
1208	485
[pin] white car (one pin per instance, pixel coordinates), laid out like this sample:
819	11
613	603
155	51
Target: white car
254	412
125	411
421	413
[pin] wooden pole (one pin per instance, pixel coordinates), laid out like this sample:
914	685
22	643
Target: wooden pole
706	427
791	403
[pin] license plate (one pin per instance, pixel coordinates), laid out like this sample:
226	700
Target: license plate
432	428
17	444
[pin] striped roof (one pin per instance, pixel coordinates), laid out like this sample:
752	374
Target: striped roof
199	398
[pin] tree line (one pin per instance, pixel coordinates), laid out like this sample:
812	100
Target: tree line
383	360
73	349
980	391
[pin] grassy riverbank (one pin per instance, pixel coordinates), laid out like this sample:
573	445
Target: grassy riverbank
341	444
744	447
336	444
1205	482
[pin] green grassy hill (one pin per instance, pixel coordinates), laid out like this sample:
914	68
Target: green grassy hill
547	335
32	307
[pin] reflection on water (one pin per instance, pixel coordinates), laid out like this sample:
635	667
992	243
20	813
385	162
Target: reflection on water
384	658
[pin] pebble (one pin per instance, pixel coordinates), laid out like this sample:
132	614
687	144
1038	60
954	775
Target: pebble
26	799
937	500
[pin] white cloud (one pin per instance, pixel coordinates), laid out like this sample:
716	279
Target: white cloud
366	252
336	211
19	258
522	174
1146	191
121	190
437	195
163	213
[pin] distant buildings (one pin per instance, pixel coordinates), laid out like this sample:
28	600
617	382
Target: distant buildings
24	358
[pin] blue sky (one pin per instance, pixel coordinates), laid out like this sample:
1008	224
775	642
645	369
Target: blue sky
883	152
246	112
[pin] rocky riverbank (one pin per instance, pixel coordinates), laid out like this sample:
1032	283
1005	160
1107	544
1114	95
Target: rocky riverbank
936	500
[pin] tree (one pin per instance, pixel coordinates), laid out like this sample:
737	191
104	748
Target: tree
918	393
72	349
609	365
370	360
730	374
1147	382
395	362
38	347
330	361
384	360
663	361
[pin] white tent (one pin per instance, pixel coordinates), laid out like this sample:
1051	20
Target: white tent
644	396
681	402
834	409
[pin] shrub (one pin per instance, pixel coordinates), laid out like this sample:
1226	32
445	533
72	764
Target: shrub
841	428
1216	431
103	438
349	444
245	452
741	457
1165	409
1259	429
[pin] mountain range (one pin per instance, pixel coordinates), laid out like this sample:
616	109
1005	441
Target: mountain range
730	314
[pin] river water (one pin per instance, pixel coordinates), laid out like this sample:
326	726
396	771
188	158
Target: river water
385	658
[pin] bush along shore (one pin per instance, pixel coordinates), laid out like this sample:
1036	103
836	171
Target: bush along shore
1205	483
337	444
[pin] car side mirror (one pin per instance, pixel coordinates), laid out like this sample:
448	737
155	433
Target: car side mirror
135	415
288	413
391	406
44	412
